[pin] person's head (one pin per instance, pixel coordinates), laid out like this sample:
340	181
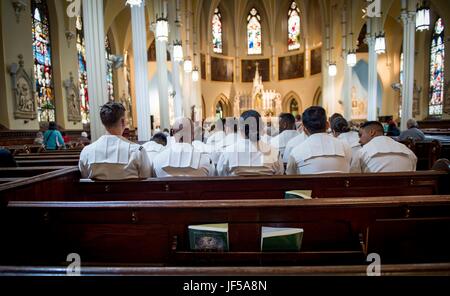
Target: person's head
39	135
84	134
52	126
411	123
250	124
334	116
112	115
183	130
339	126
370	130
298	118
160	138
286	122
314	120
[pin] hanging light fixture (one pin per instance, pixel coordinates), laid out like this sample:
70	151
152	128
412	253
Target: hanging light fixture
187	65
351	58
162	29
332	69
380	44
195	74
423	18
134	2
177	51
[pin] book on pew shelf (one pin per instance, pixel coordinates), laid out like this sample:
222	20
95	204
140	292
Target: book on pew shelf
275	239
208	237
298	194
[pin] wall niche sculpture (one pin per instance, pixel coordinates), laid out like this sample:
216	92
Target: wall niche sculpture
22	87
73	100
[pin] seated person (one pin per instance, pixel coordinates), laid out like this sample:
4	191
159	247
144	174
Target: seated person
182	159
341	130
392	130
112	157
300	138
39	140
218	133
413	132
84	139
320	153
53	139
249	156
287	132
156	144
381	153
6	159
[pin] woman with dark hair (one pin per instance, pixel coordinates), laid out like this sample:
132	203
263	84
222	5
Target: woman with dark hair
250	156
53	139
341	130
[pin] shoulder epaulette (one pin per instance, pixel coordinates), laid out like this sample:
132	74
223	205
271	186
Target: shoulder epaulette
140	148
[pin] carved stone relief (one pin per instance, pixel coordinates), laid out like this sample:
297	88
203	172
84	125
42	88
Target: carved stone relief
22	86
73	100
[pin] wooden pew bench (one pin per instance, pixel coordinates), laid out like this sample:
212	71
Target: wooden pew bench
24	172
339	231
7	180
47	162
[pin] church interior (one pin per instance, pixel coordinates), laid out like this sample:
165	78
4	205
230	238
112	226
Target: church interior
85	69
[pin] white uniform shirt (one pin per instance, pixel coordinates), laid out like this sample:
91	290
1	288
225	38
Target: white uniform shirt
215	138
246	158
114	158
319	154
152	148
352	139
293	143
183	160
280	141
383	154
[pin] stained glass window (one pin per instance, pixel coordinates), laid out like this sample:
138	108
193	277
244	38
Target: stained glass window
42	52
254	36
109	69
82	71
293	27
217	31
437	70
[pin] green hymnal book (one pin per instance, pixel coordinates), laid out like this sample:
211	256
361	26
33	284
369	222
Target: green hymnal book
208	237
298	194
281	239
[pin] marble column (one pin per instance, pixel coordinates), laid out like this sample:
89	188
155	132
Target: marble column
176	68
139	34
408	17
94	35
372	108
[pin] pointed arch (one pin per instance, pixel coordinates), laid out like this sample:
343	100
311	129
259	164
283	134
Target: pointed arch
317	100
225	104
290	100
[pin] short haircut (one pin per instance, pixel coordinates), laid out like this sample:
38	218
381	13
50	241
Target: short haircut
160	138
288	118
52	125
315	120
111	113
340	125
250	123
335	115
375	125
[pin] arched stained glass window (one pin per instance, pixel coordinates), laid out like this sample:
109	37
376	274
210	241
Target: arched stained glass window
293	27
109	69
254	35
437	70
82	71
42	52
217	31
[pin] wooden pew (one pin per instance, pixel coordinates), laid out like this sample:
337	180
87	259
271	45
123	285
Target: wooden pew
427	269
47	156
47	162
24	172
339	231
7	180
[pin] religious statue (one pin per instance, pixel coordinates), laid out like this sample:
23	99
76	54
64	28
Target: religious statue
73	100
126	102
25	105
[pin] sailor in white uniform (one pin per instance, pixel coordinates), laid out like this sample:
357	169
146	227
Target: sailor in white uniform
156	144
320	153
218	133
341	130
113	157
293	143
249	156
287	132
380	153
182	159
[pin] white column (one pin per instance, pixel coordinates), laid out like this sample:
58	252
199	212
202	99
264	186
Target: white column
178	102
372	112
348	93
163	83
409	35
94	35
140	72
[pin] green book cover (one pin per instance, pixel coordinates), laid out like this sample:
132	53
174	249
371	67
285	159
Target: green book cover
208	237
298	194
281	239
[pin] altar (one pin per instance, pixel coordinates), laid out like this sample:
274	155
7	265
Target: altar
266	102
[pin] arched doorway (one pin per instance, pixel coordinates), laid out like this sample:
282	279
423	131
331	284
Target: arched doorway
292	104
222	107
219	110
